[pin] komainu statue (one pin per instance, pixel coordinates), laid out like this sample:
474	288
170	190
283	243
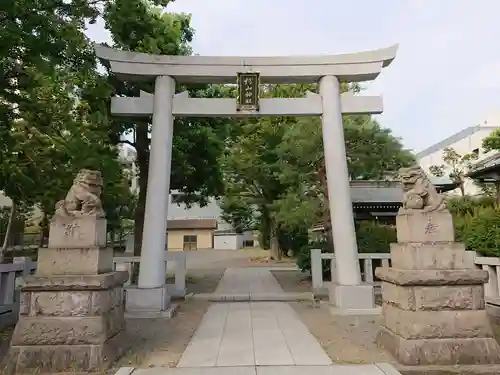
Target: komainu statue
419	193
83	197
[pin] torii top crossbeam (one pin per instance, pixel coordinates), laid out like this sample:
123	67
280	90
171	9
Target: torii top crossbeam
352	67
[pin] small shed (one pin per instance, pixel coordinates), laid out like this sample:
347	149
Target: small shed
191	234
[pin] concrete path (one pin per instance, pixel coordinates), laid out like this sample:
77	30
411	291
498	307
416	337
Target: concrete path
255	338
252	333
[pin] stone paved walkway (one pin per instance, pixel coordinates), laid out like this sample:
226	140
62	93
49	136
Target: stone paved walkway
252	334
255	338
248	280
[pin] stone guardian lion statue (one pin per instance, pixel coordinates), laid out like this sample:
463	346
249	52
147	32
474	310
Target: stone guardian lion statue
420	195
83	198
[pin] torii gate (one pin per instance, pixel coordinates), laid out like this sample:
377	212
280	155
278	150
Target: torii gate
164	104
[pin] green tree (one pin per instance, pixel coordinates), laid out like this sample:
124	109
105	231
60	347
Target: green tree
39	39
277	165
141	26
492	142
455	167
54	103
237	212
372	153
252	171
54	142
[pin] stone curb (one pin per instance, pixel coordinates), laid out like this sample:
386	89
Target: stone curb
246	297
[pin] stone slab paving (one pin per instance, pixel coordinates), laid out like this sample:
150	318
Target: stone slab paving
248	280
252	334
371	369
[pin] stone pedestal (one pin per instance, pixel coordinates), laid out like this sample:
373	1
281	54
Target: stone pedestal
72	310
352	300
433	309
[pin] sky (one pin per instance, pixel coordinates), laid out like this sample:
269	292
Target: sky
446	75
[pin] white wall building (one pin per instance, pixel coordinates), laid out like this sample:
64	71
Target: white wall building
466	141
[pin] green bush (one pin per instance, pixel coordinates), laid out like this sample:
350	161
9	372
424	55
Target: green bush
477	223
293	240
373	237
481	231
463	206
303	257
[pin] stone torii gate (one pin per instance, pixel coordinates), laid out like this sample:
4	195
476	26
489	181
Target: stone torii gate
164	104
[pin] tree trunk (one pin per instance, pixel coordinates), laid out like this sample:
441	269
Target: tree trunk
264	228
327	222
462	188
275	245
44	229
142	149
497	192
40	240
8	231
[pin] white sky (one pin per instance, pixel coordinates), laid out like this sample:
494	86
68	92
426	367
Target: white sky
446	75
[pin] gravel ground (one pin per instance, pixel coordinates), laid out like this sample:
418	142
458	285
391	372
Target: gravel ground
346	339
203	281
293	281
161	342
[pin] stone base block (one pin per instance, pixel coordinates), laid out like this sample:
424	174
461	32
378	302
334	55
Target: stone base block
449	351
77	232
73	282
432	298
436	324
74	261
352	299
425	227
64	358
142	301
168	313
68	324
430	256
431	277
73	330
70	304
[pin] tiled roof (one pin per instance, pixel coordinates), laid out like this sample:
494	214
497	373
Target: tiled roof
191	224
389	191
486	165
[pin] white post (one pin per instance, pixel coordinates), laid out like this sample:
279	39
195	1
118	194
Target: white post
316	270
341	214
152	266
